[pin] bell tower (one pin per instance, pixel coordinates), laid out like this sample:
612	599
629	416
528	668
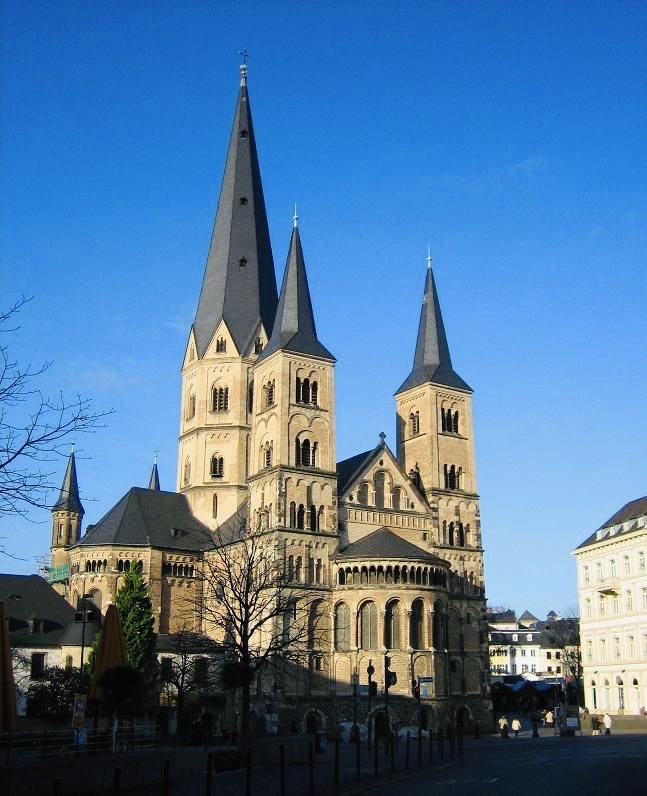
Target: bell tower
293	481
67	516
232	324
435	438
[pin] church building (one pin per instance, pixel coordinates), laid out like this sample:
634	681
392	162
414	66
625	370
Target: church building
390	539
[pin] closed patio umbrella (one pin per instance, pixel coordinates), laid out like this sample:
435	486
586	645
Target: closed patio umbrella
111	652
7	685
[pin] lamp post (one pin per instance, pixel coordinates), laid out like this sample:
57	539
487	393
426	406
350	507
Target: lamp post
370	670
355	681
83	621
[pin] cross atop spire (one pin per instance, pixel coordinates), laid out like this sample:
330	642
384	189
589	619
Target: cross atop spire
295	217
244	55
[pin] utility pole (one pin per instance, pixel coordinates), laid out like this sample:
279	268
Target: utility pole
370	670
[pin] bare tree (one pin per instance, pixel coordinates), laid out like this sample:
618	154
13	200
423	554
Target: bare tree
268	618
35	429
187	667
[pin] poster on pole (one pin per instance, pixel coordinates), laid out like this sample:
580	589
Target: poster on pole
78	715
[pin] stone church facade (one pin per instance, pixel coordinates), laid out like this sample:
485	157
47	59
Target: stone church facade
390	541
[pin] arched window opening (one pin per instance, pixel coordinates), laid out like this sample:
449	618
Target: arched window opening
417	621
392	626
318	571
342	627
217	466
267	454
221	345
258	345
293	515
460	534
305	453
368	626
451	534
187	470
313	518
452	476
362	495
379	490
414	423
290	567
250	397
396	498
301	513
297	394
219	399
190	406
298	569
455	423
305	391
314	392
214	507
269	394
320	519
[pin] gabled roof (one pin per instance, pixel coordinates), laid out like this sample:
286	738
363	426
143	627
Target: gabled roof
29	597
239	284
68	499
630	515
294	327
432	362
385	544
150	518
348	468
527	618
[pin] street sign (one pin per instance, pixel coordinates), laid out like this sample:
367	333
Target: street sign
425	679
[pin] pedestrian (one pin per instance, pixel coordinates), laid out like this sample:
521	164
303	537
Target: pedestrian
516	726
549	718
503	726
595	724
607	724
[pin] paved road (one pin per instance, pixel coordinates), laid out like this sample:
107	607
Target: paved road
538	766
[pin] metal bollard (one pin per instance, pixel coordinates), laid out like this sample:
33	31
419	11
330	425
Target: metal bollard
209	773
282	768
166	778
311	769
406	757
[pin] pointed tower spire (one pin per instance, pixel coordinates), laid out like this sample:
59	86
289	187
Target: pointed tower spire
68	499
154	482
432	362
294	328
239	284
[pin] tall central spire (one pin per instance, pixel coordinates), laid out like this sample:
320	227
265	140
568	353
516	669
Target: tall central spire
239	284
432	361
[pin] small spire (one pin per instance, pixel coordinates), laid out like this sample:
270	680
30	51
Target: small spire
68	498
154	482
295	217
429	257
243	67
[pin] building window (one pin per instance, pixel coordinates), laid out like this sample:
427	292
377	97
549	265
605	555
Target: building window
549	655
221	345
641	562
68	663
589	651
242	263
616	648
217	467
187	470
267	455
258	345
449	421
414	424
392	626
629	601
452	476
601	607
190	406
342	627
587	576
627	566
305	453
603	649
631	644
268	390
362	495
523	652
214	507
587	610
306	391
644	593
417	623
37	665
598	568
612	568
219	399
368	626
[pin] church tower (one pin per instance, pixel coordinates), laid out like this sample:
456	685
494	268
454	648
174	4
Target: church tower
233	321
293	481
67	516
436	440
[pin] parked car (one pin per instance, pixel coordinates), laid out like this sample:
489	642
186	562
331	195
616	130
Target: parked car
345	729
413	733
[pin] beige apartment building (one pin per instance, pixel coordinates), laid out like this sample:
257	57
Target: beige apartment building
390	539
612	588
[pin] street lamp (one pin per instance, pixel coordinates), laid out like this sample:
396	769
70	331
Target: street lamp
83	621
354	678
370	670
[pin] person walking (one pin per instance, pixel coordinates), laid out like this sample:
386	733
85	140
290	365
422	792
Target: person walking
549	718
607	724
516	726
595	724
503	726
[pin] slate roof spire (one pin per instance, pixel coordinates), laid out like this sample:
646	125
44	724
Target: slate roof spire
239	284
294	327
432	361
154	482
68	499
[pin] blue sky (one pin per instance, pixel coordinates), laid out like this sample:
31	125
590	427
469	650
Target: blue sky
510	136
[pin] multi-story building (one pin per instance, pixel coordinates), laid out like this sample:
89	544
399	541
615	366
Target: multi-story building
390	540
612	588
